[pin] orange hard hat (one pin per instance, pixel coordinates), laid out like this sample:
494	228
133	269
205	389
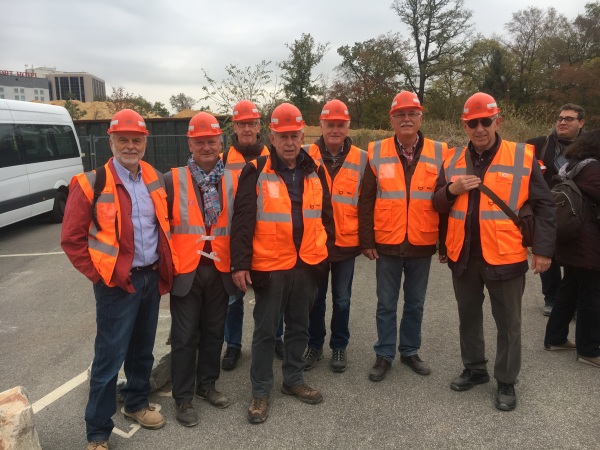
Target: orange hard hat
479	105
127	121
286	117
405	100
245	110
335	110
204	124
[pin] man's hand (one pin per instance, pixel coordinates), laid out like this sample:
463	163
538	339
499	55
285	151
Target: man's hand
464	183
242	279
370	253
443	259
540	263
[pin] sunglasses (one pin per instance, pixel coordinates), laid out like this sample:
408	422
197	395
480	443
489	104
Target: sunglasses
485	122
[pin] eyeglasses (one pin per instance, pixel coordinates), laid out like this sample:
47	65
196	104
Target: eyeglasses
410	115
485	122
567	119
243	125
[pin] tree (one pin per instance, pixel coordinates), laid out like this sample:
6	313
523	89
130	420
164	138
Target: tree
181	101
439	31
73	109
298	84
160	110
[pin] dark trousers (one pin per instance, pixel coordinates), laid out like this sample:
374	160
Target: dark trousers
291	293
579	290
551	283
505	299
198	317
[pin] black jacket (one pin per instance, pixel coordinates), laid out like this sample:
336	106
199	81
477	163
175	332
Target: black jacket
550	143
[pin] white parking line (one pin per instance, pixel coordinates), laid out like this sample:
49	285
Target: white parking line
59	392
31	254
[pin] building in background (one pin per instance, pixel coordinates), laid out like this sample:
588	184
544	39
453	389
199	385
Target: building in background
24	86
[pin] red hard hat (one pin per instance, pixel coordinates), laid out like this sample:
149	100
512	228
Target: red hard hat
245	110
127	121
405	100
335	110
480	105
204	124
286	117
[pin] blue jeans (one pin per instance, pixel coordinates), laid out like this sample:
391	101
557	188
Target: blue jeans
126	328
235	321
342	274
389	271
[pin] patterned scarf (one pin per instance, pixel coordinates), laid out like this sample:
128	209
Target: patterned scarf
208	186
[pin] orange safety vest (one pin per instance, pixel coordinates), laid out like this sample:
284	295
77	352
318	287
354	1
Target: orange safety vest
103	245
187	224
395	217
344	189
508	176
273	244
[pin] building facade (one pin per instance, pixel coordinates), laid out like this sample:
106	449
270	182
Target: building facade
15	85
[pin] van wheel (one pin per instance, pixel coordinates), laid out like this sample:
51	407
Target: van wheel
58	211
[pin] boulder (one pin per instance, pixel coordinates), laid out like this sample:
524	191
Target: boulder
16	421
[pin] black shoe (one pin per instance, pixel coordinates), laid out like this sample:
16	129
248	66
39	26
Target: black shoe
506	400
378	371
186	414
311	356
231	358
214	397
468	379
416	364
339	361
279	349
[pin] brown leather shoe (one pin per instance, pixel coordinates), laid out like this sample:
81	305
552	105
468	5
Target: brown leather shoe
258	411
147	417
214	397
416	364
378	371
97	446
304	392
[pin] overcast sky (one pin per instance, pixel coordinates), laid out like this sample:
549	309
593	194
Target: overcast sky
157	48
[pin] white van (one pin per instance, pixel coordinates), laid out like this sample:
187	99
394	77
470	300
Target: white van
39	154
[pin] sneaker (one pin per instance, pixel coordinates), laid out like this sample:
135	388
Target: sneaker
416	364
339	362
566	346
186	414
468	379
506	400
258	411
304	392
591	360
378	371
147	417
311	356
97	445
279	349
547	310
231	358
214	397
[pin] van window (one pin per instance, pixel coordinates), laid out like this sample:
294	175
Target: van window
47	142
9	155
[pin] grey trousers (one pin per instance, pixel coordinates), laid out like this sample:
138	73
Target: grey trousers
505	299
291	293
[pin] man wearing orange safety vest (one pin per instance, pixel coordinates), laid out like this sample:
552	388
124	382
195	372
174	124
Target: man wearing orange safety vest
399	228
246	145
200	198
484	246
116	232
345	166
281	226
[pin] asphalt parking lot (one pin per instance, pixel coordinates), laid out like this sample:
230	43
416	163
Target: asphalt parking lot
46	339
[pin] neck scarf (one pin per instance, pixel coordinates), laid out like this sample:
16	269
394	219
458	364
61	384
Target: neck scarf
208	187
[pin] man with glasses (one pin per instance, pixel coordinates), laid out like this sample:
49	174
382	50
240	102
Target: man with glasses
399	229
550	152
484	246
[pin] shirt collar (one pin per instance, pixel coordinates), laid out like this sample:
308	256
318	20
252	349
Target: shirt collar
125	174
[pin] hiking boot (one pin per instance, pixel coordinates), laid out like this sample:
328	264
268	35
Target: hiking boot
566	346
591	360
97	445
311	356
506	400
339	361
214	397
231	358
378	371
186	414
279	349
416	364
304	392
147	417
468	379
258	411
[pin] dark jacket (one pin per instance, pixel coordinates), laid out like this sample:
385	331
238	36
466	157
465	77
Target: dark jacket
550	142
543	211
584	251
